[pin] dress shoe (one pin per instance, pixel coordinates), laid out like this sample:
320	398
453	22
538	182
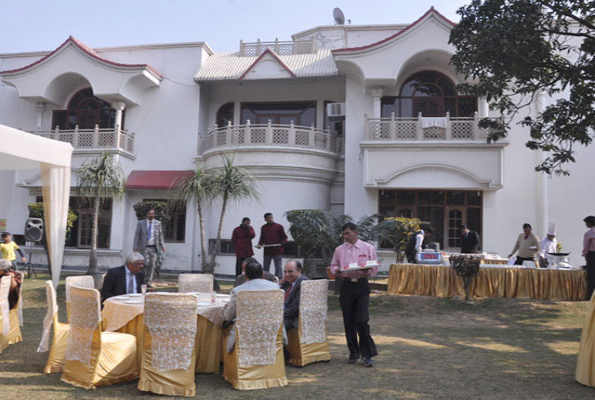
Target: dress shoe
352	359
368	362
150	286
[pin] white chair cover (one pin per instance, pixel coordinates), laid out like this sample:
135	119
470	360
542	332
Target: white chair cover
84	319
85	281
48	320
195	283
259	317
20	304
171	320
313	310
4	306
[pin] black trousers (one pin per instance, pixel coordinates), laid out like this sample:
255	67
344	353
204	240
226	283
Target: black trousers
519	260
239	261
590	273
355	300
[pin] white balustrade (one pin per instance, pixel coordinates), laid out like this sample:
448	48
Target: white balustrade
280	48
89	139
453	129
256	135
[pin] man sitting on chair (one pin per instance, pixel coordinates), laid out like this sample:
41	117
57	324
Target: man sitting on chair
255	281
291	284
241	279
124	279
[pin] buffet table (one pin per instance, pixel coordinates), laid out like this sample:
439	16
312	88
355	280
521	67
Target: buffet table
125	314
491	281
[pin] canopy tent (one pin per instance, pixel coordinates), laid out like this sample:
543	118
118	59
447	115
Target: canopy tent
22	150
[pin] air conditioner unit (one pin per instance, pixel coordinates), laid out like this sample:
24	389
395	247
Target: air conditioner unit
335	111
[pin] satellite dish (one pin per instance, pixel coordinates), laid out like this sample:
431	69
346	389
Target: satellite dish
338	16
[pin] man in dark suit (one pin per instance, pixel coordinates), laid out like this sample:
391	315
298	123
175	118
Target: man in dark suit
291	284
469	240
125	279
149	241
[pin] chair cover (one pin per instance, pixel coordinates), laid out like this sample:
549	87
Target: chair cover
55	361
20	304
257	359
9	329
168	360
585	362
95	358
85	281
308	343
195	283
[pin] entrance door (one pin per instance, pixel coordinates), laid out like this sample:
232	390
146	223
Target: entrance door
430	106
455	218
87	119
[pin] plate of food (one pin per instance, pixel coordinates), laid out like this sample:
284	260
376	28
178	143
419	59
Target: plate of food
356	267
121	298
134	301
204	304
135	294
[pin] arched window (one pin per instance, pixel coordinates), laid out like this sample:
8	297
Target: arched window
430	93
86	111
225	114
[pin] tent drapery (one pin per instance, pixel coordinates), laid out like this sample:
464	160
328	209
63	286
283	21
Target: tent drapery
22	150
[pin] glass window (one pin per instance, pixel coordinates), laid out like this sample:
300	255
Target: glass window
455	198
80	234
86	111
405	197
473	198
301	113
225	114
430	197
174	230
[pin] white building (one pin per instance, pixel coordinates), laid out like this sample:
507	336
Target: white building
400	141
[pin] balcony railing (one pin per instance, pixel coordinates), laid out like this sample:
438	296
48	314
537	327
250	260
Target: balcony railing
426	129
296	136
280	48
90	139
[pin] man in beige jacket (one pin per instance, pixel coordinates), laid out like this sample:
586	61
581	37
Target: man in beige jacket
527	245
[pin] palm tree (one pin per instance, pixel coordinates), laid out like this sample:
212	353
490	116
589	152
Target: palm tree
199	188
231	182
99	178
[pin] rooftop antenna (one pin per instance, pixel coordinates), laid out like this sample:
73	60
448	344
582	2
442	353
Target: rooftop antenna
338	16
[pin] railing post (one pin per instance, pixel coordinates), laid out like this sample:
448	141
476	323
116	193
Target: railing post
56	133
475	127
312	137
392	128
327	135
277	45
420	131
228	138
258	48
247	133
269	133
242	48
448	127
367	127
291	134
75	137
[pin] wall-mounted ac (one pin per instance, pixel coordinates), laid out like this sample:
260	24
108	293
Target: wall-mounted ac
335	111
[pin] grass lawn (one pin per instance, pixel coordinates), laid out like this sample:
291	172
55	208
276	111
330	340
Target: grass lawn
429	348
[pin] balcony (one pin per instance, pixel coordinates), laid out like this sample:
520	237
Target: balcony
261	136
255	49
97	139
420	129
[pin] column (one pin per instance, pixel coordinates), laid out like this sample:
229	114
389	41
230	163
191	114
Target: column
376	102
40	109
483	108
119	106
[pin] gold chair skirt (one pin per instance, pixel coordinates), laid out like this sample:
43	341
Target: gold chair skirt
56	360
304	354
585	363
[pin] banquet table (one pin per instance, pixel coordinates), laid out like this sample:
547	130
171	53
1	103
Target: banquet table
491	281
126	316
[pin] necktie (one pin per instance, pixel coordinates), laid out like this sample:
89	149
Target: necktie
288	291
131	284
150	231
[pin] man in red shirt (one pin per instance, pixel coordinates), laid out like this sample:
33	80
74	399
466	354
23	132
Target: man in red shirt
272	238
241	238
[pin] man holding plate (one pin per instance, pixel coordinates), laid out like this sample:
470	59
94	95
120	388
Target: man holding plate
355	261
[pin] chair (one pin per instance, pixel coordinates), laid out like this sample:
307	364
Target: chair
95	358
195	283
256	361
10	331
168	353
308	343
85	281
55	361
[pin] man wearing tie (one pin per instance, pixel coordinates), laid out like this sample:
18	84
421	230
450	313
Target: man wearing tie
148	240
124	279
291	284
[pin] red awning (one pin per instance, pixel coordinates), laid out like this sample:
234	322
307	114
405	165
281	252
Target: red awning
157	180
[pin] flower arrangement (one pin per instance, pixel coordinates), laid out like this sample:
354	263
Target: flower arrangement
467	267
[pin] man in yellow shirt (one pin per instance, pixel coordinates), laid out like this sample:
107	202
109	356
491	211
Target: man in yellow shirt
8	247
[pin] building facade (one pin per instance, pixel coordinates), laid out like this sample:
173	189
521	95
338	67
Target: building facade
353	119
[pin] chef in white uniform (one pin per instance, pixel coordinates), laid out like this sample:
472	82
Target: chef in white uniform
548	244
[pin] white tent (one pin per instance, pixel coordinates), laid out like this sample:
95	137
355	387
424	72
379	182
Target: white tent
22	150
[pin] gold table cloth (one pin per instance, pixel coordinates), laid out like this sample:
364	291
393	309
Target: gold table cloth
119	316
534	283
585	363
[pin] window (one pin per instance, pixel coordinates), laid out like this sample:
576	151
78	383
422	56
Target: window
86	111
174	230
290	249
334	126
224	115
300	113
431	94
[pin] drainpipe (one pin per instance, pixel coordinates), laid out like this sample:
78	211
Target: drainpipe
542	203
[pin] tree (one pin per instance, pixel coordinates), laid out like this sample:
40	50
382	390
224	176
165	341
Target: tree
516	49
198	188
230	183
396	232
99	178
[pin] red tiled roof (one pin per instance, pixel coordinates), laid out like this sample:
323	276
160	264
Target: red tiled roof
431	10
159	180
87	50
275	56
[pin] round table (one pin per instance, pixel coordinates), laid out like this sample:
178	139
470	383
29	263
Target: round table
125	314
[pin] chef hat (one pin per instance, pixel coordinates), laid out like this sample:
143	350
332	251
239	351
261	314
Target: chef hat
551	229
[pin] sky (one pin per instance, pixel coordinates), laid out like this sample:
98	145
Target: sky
34	25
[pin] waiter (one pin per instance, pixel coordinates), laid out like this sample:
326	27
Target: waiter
549	244
355	294
469	240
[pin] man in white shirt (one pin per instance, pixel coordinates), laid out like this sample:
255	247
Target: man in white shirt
549	244
125	279
148	240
